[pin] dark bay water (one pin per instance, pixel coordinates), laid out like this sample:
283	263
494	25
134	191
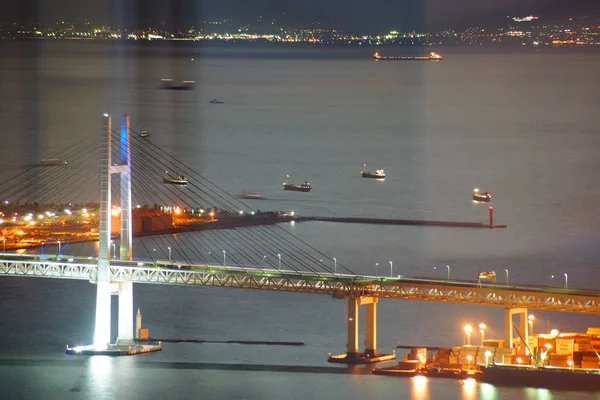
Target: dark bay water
522	124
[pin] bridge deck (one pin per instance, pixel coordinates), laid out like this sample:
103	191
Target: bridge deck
336	285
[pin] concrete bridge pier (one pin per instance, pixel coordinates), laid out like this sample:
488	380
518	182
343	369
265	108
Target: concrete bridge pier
370	355
519	347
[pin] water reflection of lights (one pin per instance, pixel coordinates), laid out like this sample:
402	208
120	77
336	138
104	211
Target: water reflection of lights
469	388
100	370
538	394
419	387
488	392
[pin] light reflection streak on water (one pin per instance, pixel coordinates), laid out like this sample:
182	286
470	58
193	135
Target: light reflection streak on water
469	389
488	392
419	387
100	380
538	394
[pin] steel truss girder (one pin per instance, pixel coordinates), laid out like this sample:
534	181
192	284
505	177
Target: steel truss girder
338	286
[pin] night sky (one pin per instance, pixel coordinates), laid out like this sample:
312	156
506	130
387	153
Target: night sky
353	15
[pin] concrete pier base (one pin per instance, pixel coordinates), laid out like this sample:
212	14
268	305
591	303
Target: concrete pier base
114	350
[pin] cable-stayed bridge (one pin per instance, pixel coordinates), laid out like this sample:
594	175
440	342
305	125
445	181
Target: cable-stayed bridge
53	210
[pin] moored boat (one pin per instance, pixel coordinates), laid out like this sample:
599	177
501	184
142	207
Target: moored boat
483	196
378	174
215	101
180	180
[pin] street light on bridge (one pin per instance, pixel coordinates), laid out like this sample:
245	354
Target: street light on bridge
224	256
482	331
530	319
566	281
334	265
279	263
447	266
169	248
506	276
377	269
391	266
114	250
468	329
59	247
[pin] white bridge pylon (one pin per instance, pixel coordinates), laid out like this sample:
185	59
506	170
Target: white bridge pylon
105	288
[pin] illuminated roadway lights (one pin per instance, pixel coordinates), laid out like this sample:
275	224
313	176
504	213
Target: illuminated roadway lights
224	255
279	262
468	329
566	281
391	267
482	331
334	265
530	319
447	266
169	248
506	276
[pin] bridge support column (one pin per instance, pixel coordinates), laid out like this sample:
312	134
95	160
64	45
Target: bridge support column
125	313
352	345
509	340
370	355
371	326
103	306
105	287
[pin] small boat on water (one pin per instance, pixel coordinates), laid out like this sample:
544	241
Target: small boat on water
431	57
143	133
167	84
250	196
215	101
483	196
378	174
180	180
303	187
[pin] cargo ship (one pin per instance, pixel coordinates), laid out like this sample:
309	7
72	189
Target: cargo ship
167	84
431	57
484	196
378	174
556	378
180	180
303	187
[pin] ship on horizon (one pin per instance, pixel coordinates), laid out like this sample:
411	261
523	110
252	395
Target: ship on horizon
378	174
303	187
431	57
